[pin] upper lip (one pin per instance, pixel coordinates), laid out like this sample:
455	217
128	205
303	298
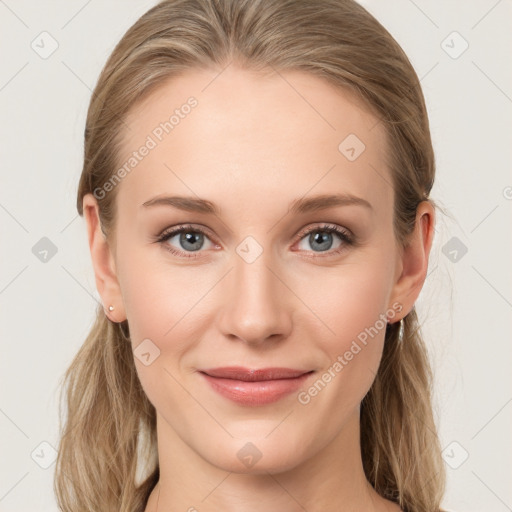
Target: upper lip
253	375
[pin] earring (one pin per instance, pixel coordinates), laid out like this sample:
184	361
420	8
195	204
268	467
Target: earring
401	331
111	308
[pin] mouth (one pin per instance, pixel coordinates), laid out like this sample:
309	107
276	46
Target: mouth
253	387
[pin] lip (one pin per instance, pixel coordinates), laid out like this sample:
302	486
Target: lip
253	387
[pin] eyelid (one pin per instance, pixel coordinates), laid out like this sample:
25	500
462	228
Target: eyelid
182	227
327	227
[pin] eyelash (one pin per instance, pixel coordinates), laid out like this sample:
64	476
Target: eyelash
344	235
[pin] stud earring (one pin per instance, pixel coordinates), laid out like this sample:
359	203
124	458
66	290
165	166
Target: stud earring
111	308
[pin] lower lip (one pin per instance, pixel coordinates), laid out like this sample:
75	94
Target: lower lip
255	393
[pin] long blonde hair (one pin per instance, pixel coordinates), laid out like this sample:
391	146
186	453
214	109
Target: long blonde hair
107	459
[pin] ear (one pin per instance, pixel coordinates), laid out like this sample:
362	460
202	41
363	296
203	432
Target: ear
103	261
413	263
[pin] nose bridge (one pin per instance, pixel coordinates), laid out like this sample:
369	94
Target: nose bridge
255	305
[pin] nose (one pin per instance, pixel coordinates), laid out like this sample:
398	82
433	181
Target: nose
257	302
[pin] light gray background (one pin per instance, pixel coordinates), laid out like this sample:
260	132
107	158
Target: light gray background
47	307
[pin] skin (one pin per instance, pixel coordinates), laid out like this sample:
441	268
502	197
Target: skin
252	146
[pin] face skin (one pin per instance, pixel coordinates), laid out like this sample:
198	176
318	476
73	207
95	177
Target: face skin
252	146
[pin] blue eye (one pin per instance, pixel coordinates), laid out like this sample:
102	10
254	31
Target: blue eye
191	239
322	238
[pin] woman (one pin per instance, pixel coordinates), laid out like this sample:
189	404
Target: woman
256	192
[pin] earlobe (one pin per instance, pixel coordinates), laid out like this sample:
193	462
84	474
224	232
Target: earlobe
103	263
414	259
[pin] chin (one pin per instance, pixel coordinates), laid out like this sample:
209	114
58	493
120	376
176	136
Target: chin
256	455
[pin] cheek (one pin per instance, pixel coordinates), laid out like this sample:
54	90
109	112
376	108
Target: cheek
159	301
351	304
348	299
157	296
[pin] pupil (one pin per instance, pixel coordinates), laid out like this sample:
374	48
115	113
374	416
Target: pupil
325	240
191	238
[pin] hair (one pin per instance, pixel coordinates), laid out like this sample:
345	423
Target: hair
107	458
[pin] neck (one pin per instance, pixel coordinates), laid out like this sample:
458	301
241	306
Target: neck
333	480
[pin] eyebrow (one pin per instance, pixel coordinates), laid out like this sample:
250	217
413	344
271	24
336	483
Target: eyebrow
298	206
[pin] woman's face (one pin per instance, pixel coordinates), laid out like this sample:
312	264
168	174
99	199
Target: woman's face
263	281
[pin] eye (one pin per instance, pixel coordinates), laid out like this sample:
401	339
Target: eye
189	239
321	239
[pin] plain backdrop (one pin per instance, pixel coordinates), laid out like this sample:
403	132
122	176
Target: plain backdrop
462	53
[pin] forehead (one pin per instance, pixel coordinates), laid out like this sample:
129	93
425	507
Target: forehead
237	135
